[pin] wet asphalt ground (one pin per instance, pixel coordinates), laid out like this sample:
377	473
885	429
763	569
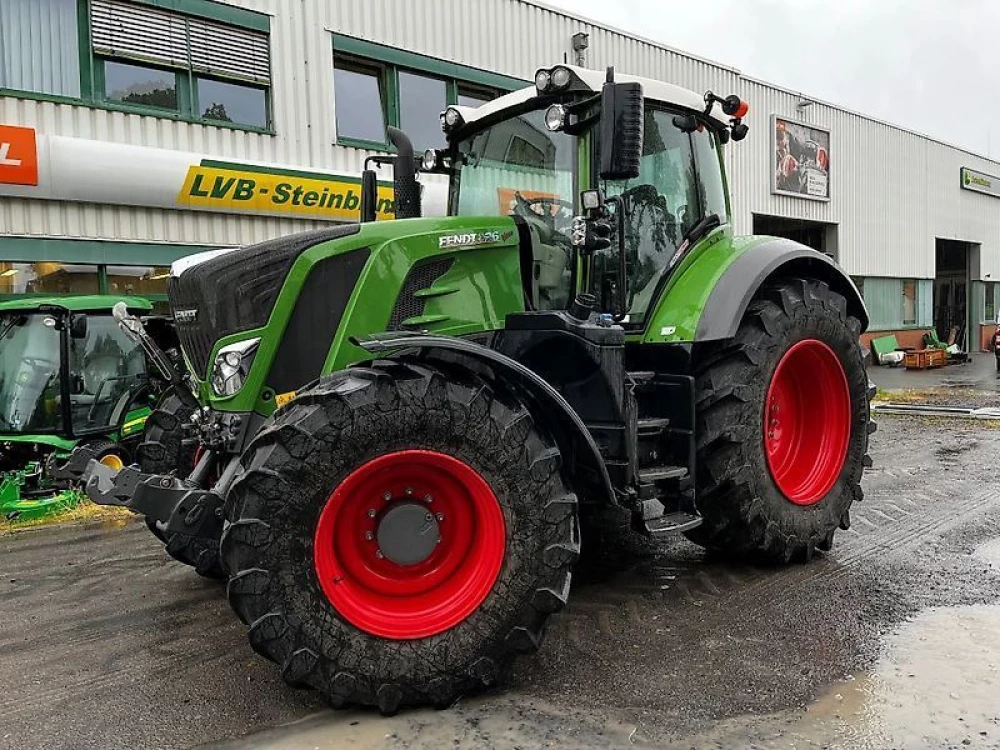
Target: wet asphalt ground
890	640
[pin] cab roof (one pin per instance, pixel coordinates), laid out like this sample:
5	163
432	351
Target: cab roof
81	303
658	91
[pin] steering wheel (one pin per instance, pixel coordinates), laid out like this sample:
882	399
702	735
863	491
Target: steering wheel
545	218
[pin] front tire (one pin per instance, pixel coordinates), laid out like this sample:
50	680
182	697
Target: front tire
353	599
164	451
783	423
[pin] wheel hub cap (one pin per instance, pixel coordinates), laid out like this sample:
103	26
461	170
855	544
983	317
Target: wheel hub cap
807	422
408	533
409	544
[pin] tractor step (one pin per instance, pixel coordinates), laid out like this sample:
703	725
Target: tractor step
652	426
671	523
660	473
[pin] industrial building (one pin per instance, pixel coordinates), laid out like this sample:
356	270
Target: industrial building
133	132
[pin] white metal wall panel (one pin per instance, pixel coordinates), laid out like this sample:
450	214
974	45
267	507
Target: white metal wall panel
892	192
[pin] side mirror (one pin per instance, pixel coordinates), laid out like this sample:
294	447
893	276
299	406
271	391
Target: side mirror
78	327
621	130
369	195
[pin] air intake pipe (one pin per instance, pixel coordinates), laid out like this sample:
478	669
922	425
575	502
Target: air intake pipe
405	185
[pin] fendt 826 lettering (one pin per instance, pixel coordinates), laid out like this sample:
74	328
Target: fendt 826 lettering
396	435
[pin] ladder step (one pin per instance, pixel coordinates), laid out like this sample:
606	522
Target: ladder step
640	376
671	523
652	425
659	473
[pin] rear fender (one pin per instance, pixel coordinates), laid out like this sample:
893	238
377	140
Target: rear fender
582	462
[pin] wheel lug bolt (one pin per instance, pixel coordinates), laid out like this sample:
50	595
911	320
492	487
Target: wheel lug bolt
440	516
428	517
369	536
371	513
387	496
428	499
379	555
409	490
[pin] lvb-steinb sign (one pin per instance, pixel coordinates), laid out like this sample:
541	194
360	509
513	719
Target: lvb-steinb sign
980	182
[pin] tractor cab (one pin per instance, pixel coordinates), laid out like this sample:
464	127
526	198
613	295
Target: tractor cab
68	375
644	155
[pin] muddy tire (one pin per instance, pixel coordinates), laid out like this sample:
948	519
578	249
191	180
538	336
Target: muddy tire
163	451
783	423
308	520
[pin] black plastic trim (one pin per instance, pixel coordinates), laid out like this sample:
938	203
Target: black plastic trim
571	434
733	292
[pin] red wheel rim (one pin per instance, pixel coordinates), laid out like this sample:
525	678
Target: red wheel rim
423	597
807	422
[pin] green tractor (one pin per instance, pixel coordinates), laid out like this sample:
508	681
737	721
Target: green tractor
408	428
69	376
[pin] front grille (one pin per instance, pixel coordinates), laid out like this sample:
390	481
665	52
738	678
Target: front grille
408	305
236	291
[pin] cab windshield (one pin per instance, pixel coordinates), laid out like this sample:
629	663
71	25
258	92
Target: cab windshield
29	374
520	168
106	372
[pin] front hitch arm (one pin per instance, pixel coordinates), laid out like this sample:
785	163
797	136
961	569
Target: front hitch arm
176	505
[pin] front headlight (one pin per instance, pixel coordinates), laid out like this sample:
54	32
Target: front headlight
232	364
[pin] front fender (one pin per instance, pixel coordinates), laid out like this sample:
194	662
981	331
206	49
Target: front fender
581	457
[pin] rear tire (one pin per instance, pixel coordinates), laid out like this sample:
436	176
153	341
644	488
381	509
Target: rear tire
775	489
163	451
320	626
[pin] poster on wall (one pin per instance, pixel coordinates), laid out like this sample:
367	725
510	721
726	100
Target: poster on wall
801	164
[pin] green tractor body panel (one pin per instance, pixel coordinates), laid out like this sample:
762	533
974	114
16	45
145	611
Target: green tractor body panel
81	303
479	284
682	303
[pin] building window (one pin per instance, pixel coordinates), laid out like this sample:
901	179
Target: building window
360	101
909	302
222	101
40	47
209	63
138	84
990	307
375	87
421	100
48	278
148	56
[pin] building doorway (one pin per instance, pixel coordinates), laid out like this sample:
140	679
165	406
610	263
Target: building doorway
818	235
951	291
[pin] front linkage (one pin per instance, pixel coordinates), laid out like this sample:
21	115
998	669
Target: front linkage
177	506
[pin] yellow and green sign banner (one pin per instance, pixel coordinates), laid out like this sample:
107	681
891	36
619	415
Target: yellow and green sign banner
228	186
980	182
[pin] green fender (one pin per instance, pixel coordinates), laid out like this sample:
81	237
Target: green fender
705	299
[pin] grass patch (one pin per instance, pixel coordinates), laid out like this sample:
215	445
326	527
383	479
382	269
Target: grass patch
84	512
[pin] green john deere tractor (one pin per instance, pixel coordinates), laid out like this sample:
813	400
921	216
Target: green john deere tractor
406	427
69	376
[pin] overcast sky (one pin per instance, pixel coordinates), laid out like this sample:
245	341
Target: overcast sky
928	65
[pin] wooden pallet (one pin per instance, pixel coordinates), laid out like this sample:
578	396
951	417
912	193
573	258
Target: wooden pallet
924	359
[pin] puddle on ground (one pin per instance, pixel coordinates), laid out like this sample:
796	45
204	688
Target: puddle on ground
989	552
937	685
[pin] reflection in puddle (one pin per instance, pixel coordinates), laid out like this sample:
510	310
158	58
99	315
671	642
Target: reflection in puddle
937	685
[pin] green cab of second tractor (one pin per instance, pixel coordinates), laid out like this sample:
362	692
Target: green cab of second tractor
68	377
408	430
